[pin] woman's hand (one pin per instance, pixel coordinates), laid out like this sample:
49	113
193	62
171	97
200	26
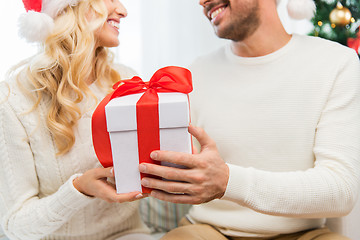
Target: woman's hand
94	183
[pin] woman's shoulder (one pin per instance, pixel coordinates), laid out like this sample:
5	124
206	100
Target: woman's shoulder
13	94
8	91
124	71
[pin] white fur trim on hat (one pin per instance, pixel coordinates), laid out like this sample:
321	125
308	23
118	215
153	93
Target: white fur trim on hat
300	9
54	7
37	26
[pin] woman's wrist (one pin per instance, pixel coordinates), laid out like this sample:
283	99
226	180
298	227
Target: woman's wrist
77	186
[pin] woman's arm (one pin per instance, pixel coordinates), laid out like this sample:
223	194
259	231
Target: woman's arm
24	214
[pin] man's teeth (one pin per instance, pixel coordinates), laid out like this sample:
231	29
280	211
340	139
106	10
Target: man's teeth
114	24
216	12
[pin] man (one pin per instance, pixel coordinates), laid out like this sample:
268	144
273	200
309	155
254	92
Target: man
280	132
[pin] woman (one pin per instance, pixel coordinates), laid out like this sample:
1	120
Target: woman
51	183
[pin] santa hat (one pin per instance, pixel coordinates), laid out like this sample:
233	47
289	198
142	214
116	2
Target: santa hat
300	9
38	22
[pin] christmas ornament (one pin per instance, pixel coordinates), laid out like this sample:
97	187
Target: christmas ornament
300	9
38	22
340	16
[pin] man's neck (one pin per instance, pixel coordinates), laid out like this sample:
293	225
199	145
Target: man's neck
257	46
268	38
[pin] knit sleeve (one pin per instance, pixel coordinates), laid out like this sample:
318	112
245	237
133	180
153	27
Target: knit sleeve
330	188
23	214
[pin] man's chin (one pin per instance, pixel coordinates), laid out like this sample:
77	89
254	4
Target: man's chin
229	36
232	34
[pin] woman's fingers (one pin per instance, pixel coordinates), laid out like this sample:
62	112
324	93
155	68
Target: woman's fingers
94	183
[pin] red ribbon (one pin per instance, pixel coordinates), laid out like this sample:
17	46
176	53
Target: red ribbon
168	79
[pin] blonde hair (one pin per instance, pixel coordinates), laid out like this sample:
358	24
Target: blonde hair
69	59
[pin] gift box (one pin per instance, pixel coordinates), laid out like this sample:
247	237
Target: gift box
122	127
139	117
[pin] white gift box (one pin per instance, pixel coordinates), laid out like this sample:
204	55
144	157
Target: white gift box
174	118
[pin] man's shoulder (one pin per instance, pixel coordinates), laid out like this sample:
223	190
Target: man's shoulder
324	48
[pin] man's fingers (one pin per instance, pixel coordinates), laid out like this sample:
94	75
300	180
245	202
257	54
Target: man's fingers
175	198
184	159
167	186
174	174
201	136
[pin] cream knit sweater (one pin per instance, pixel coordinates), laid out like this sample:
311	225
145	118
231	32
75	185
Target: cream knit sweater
288	126
37	197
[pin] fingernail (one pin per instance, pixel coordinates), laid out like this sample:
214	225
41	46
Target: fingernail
112	171
154	155
142	168
139	196
145	182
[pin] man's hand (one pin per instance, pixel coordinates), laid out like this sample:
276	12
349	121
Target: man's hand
94	183
204	179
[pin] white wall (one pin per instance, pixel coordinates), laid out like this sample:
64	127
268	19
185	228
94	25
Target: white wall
12	48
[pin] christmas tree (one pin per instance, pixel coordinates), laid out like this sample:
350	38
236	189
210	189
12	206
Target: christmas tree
338	20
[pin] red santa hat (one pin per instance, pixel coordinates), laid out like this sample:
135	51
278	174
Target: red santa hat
300	9
38	22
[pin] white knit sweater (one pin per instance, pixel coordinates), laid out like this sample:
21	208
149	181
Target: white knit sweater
37	197
288	126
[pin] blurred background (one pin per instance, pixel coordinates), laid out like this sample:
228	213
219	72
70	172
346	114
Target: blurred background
160	33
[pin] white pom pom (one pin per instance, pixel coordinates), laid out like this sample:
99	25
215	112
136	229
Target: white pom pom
35	26
301	9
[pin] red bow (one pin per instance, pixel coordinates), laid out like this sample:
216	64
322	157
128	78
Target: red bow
168	79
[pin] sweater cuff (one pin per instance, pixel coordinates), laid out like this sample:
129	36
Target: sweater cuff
68	199
238	187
